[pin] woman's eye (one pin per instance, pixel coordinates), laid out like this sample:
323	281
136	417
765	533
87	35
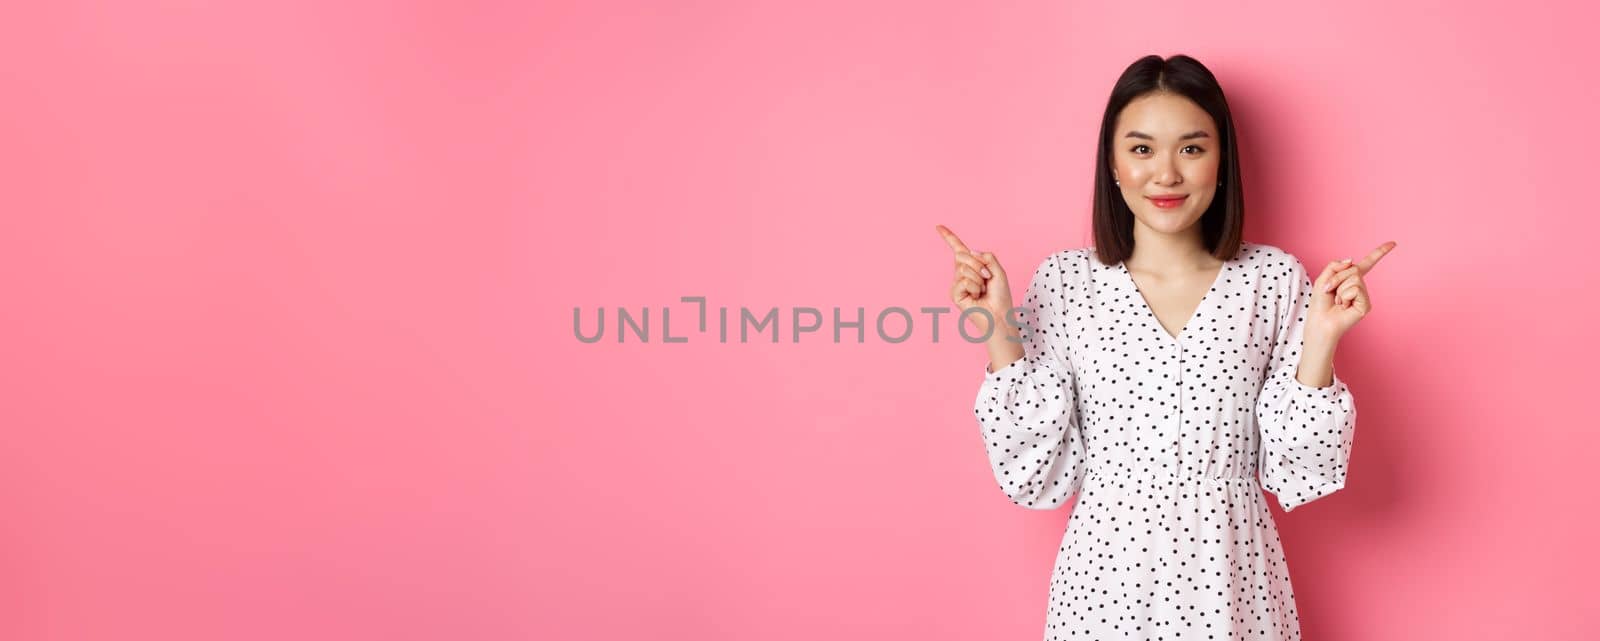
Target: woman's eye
1196	149
1141	149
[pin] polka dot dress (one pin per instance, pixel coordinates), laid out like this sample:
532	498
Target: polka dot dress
1169	442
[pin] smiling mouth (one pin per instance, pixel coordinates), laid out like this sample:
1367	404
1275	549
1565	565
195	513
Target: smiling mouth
1167	202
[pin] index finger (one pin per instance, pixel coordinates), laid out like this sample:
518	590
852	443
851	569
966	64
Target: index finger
1372	258
950	239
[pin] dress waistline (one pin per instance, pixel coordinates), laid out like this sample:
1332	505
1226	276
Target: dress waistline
1166	476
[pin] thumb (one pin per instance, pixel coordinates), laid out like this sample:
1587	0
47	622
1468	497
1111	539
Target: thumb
992	263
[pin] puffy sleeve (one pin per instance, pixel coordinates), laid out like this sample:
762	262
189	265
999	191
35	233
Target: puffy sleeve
1027	411
1305	432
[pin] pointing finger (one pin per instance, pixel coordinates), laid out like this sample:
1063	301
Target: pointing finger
1372	258
950	239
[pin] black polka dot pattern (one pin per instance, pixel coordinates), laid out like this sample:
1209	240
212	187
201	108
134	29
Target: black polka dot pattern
1169	442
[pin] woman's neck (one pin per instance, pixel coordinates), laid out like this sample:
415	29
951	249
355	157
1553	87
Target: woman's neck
1176	253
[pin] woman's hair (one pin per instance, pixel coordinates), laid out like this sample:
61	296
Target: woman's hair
1222	225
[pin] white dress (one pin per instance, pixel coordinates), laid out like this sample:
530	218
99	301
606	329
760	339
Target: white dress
1171	537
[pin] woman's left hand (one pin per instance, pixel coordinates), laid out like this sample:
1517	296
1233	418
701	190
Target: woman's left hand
1339	295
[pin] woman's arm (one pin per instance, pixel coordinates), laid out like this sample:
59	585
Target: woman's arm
1316	362
1305	429
1005	346
1027	405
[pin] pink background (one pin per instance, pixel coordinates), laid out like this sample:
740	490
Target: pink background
289	294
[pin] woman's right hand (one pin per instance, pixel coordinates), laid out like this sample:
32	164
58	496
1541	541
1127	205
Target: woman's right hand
980	281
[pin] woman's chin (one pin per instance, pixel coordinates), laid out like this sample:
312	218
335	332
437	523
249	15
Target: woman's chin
1168	222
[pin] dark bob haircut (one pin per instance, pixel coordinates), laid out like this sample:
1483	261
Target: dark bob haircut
1222	225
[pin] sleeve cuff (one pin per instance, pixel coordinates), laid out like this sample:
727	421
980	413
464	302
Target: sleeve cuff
1307	493
1024	396
1328	393
1009	370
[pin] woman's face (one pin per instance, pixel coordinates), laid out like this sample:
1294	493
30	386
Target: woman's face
1166	159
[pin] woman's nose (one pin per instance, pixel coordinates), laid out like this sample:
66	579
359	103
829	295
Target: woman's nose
1167	173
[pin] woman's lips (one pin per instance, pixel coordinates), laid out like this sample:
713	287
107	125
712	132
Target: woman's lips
1167	202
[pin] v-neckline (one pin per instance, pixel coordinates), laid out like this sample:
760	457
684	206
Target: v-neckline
1150	312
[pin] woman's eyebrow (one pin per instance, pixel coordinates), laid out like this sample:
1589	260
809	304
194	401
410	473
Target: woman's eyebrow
1187	136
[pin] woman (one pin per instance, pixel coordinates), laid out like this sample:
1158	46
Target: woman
1159	373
